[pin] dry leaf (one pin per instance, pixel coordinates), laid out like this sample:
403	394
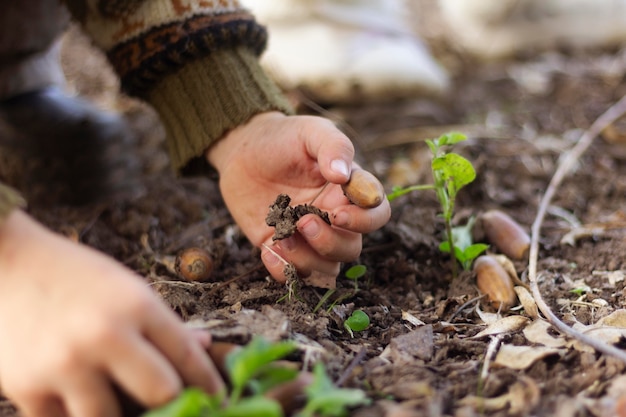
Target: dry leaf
406	316
527	300
537	332
508	324
615	319
522	357
523	395
487	318
416	344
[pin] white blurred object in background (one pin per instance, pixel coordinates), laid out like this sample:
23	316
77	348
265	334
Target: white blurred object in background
347	50
500	28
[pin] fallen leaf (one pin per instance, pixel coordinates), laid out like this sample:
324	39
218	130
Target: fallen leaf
527	301
615	319
522	396
522	357
537	332
487	318
406	316
407	347
508	324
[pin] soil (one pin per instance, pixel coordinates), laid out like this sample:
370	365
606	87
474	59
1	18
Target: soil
420	355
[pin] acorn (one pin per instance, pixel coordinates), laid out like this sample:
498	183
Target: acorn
493	280
363	189
505	234
194	264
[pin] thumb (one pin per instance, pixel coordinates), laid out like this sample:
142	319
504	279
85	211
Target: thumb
332	149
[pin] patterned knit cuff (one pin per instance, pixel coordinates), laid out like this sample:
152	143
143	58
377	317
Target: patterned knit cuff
9	200
208	97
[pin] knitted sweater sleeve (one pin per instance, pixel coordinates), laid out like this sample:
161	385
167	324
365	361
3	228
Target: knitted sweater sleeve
194	61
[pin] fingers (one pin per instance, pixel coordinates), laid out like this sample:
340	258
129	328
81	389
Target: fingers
90	395
40	406
360	220
185	348
297	252
330	147
143	372
317	247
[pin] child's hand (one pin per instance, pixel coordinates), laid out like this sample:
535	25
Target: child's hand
74	323
296	155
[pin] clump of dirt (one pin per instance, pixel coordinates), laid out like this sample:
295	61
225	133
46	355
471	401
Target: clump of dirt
284	218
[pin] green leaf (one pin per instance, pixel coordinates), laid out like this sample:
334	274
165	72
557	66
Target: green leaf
257	406
192	402
327	400
462	235
451	138
358	321
356	271
458	253
472	252
432	146
270	376
454	170
243	364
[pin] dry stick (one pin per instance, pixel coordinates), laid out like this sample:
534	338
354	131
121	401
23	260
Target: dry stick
608	117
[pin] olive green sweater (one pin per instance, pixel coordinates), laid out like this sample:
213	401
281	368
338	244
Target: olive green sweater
194	61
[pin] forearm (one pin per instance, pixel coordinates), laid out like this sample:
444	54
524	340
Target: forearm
197	65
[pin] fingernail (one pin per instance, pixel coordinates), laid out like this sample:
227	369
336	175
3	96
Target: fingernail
288	244
342	219
310	229
270	259
339	166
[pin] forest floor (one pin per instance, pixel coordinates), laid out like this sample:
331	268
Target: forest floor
420	352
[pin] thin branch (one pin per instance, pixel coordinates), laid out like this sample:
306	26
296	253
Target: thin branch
564	168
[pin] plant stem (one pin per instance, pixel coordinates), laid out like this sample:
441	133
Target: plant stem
451	243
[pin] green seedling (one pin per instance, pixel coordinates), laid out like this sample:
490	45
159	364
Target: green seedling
465	251
354	273
451	172
324	399
253	368
357	322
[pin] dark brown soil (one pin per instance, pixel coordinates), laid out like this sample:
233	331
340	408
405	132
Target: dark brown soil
418	351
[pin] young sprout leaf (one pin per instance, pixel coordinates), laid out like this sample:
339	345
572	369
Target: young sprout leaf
270	376
192	402
244	364
432	146
326	400
356	271
472	251
257	406
455	171
358	321
451	138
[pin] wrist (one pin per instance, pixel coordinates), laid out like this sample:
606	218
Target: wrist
209	97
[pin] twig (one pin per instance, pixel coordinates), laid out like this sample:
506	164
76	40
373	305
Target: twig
492	349
353	363
613	113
